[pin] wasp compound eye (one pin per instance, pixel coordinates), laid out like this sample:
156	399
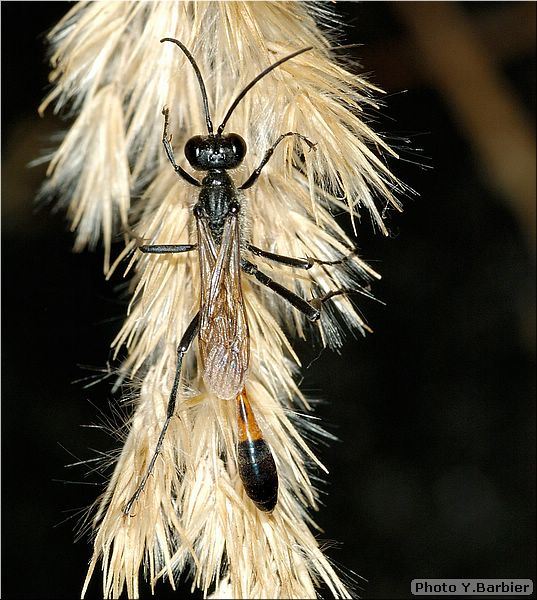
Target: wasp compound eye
237	147
194	150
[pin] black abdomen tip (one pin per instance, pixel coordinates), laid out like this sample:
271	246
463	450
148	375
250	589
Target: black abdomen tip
258	473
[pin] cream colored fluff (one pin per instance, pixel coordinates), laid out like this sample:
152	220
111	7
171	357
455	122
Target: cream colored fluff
115	77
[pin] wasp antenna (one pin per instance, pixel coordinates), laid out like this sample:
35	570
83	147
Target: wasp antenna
254	81
200	80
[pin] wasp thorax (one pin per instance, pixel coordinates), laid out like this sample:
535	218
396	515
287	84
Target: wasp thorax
215	151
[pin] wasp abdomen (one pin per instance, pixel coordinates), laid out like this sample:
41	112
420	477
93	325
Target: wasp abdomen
258	473
257	468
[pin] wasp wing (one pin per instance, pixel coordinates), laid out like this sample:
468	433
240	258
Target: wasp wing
223	335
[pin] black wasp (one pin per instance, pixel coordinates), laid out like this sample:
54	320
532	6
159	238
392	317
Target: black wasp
221	323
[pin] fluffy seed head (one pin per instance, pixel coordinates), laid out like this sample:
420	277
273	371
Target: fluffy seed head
113	77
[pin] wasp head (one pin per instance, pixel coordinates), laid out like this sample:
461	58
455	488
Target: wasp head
206	152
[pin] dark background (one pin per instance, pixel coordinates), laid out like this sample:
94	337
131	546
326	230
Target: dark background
433	476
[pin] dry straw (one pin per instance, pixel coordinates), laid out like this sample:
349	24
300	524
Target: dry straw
114	77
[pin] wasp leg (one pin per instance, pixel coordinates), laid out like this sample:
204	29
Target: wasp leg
169	152
184	345
299	263
299	303
318	302
167	248
311	309
253	177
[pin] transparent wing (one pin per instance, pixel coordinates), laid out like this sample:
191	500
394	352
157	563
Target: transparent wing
223	336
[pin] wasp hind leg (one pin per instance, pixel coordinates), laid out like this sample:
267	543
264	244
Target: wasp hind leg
295	300
311	309
183	347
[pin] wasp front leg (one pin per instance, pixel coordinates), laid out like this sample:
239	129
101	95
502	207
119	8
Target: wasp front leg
166	139
253	177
